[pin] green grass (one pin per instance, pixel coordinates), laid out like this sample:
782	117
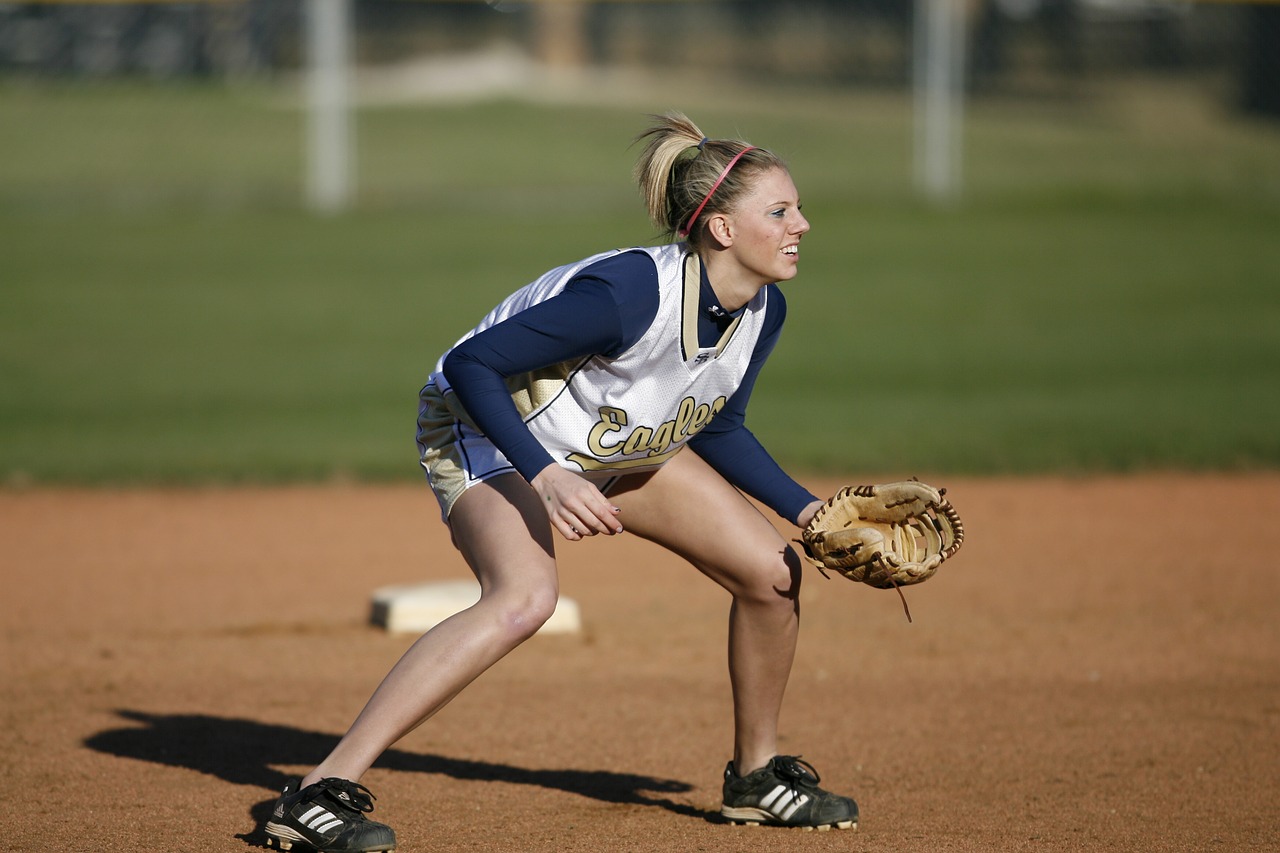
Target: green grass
1106	297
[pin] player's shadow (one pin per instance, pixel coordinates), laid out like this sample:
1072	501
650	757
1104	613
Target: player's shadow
245	752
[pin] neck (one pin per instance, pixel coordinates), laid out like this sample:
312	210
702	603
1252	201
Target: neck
734	286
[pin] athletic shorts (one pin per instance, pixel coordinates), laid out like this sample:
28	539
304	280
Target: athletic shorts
456	456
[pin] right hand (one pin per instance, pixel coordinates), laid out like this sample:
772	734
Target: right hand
574	505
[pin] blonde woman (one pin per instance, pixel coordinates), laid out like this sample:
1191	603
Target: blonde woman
610	395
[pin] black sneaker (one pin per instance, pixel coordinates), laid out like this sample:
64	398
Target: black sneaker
329	817
785	792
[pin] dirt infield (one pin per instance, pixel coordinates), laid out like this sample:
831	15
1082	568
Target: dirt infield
1099	669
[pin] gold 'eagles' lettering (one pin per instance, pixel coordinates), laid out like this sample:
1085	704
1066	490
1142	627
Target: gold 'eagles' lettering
605	438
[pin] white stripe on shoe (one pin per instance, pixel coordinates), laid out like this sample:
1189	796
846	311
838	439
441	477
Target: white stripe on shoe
319	819
782	802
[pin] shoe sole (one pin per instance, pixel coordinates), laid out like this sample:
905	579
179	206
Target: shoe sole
759	817
284	838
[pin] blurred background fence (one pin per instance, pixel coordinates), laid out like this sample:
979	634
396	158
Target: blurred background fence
1075	54
1062	48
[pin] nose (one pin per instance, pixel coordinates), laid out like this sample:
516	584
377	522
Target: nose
801	225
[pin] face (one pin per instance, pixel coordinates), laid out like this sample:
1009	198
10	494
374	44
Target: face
767	226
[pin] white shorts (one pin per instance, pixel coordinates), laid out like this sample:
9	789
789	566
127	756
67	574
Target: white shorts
456	456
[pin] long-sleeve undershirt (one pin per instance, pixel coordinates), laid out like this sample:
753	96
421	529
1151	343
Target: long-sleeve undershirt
604	310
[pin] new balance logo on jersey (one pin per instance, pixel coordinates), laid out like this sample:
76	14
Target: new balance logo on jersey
783	801
319	819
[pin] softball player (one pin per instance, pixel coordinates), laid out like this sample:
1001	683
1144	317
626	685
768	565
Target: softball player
610	394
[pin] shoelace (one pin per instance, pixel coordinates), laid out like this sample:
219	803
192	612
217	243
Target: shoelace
794	769
351	794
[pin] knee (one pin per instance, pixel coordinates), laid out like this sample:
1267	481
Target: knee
519	615
776	581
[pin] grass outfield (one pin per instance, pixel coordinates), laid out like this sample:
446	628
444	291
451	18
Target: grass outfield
1107	297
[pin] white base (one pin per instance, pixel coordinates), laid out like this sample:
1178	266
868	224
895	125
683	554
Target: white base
416	608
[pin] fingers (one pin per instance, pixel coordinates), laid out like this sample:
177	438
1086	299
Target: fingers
575	526
587	513
575	507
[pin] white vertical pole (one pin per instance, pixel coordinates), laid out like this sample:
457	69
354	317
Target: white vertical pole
938	61
330	160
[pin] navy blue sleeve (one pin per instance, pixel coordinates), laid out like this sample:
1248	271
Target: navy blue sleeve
604	310
730	448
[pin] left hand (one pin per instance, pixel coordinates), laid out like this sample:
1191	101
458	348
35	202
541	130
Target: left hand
806	514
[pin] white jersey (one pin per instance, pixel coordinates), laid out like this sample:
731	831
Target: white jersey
630	412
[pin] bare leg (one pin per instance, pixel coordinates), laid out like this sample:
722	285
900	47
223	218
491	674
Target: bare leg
503	532
690	509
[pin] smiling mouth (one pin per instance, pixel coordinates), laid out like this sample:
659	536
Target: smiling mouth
791	251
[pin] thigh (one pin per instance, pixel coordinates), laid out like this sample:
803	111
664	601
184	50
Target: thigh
503	533
688	508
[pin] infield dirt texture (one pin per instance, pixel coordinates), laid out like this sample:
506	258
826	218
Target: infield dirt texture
1098	669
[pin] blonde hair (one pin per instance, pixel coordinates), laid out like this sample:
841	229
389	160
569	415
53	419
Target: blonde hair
678	169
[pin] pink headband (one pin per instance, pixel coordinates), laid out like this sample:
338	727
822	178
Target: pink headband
684	232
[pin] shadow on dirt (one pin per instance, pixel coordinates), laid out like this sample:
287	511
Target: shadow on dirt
245	752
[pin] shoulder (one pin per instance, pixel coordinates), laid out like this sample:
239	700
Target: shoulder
775	307
629	281
777	302
630	277
629	267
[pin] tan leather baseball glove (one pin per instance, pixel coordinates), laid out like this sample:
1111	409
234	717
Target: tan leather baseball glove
887	536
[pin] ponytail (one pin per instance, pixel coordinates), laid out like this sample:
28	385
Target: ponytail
684	176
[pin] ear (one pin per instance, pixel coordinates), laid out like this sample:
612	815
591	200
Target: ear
720	229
